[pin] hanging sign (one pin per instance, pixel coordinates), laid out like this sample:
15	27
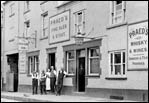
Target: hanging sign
22	44
138	46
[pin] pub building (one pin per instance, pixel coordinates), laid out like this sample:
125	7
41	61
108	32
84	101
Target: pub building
102	45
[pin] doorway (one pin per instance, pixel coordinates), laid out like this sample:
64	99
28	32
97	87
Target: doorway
13	62
81	71
51	60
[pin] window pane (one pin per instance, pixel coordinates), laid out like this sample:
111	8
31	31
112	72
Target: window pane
117	69
94	65
71	69
37	67
94	52
71	55
118	2
123	68
80	17
117	58
111	69
82	53
123	57
111	58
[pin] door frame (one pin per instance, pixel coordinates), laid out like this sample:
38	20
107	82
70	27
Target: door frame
49	60
77	68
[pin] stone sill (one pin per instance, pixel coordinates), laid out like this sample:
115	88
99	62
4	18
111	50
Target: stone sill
43	2
26	11
116	78
12	15
116	25
44	38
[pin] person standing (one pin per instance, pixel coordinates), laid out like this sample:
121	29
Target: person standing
43	82
34	82
48	73
52	79
61	75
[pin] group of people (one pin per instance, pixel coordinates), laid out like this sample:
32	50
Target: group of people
49	81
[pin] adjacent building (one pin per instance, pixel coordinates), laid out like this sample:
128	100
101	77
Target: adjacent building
111	62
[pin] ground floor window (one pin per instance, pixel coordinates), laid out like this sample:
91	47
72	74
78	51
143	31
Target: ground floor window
117	63
33	64
70	62
93	61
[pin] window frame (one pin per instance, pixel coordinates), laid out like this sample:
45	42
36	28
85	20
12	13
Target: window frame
82	23
114	11
26	27
44	28
67	61
26	6
113	64
12	9
95	57
32	65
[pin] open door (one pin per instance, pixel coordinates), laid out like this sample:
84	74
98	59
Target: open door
80	71
12	75
51	60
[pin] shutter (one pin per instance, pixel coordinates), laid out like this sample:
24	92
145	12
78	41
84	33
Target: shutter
111	11
83	22
124	5
112	7
27	65
99	71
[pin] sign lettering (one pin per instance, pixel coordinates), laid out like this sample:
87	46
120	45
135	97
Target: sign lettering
138	46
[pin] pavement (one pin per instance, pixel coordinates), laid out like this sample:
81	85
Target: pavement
28	97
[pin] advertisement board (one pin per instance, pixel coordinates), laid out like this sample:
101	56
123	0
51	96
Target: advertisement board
59	27
138	46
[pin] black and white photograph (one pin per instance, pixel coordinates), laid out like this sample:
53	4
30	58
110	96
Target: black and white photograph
74	51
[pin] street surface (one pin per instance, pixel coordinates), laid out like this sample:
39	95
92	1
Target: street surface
8	100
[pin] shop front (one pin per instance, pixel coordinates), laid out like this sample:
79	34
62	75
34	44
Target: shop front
82	62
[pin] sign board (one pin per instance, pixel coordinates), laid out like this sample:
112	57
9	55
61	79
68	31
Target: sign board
59	27
22	61
22	44
138	46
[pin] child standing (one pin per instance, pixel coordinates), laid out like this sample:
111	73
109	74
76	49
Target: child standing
35	82
43	83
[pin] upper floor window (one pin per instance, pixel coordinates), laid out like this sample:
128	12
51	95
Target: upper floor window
45	25
80	22
70	62
12	9
26	6
117	63
117	12
93	61
26	28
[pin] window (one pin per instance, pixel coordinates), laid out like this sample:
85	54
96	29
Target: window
33	64
12	9
26	28
45	25
70	62
118	12
94	61
117	64
80	22
26	6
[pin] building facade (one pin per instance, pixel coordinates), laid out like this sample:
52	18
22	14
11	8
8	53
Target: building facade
109	69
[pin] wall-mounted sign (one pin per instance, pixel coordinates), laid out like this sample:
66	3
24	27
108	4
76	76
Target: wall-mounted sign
59	27
23	44
22	61
138	46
